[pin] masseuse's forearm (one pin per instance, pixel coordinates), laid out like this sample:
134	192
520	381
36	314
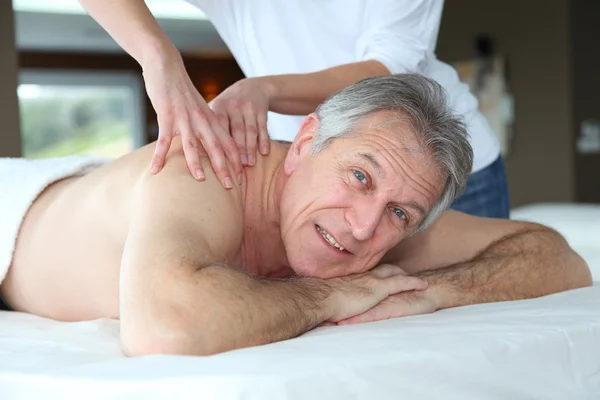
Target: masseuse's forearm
300	94
217	309
529	263
133	27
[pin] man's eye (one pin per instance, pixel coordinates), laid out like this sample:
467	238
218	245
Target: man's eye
401	214
360	176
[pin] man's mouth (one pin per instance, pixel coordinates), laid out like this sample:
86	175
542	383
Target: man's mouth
330	239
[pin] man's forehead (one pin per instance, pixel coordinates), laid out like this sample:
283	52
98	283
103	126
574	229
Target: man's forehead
393	141
393	130
385	120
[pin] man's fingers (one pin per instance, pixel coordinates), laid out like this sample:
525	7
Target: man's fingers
385	310
264	144
251	134
163	144
401	283
327	323
386	270
367	316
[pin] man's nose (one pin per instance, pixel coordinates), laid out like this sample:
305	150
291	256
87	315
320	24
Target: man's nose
364	217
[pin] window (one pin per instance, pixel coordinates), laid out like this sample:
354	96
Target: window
90	113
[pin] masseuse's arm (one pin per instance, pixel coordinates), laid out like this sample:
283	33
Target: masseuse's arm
469	260
398	36
243	106
180	290
179	107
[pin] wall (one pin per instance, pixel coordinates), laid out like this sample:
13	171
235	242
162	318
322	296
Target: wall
534	37
10	137
585	31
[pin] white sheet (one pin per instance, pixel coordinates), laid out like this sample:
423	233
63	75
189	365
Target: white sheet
546	348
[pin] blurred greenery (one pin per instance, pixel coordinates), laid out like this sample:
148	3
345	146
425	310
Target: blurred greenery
61	121
84	144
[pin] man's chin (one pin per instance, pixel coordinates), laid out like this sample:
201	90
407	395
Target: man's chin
317	271
312	271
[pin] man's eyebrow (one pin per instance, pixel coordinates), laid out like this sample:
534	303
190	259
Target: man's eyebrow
418	207
371	160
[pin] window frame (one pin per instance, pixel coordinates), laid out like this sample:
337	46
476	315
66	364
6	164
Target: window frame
67	77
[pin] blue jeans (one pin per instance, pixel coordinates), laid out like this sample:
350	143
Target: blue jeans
486	194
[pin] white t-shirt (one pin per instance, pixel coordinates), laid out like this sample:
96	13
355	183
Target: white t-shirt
272	37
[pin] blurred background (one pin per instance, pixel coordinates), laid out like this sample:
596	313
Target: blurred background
67	88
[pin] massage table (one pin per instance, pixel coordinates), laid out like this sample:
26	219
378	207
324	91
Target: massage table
544	348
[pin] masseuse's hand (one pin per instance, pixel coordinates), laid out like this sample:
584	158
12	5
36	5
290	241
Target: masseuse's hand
242	111
182	111
354	295
397	305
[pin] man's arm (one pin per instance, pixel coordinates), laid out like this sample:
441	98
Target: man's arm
469	260
177	295
181	293
531	261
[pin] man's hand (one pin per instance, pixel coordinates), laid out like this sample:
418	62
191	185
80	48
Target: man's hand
394	306
354	296
182	111
242	110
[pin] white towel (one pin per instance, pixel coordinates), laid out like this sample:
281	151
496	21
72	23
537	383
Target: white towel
21	181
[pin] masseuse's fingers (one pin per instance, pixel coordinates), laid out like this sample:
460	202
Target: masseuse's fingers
191	146
238	132
163	144
264	144
217	146
251	133
230	149
182	111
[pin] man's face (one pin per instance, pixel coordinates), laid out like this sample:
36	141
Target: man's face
344	208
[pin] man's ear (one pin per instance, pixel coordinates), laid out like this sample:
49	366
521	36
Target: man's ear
302	145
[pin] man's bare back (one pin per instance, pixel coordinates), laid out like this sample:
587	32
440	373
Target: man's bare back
89	216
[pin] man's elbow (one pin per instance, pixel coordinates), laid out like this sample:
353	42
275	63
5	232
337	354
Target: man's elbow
578	272
171	341
575	272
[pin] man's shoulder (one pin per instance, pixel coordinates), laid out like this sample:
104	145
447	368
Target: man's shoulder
175	185
197	209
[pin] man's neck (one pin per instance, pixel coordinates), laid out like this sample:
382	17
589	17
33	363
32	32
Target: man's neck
263	252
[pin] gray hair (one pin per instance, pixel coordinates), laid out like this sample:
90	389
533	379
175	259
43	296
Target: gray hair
423	103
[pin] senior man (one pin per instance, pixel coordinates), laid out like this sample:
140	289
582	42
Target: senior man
338	227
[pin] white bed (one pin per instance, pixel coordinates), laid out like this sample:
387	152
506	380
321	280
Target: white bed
546	348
